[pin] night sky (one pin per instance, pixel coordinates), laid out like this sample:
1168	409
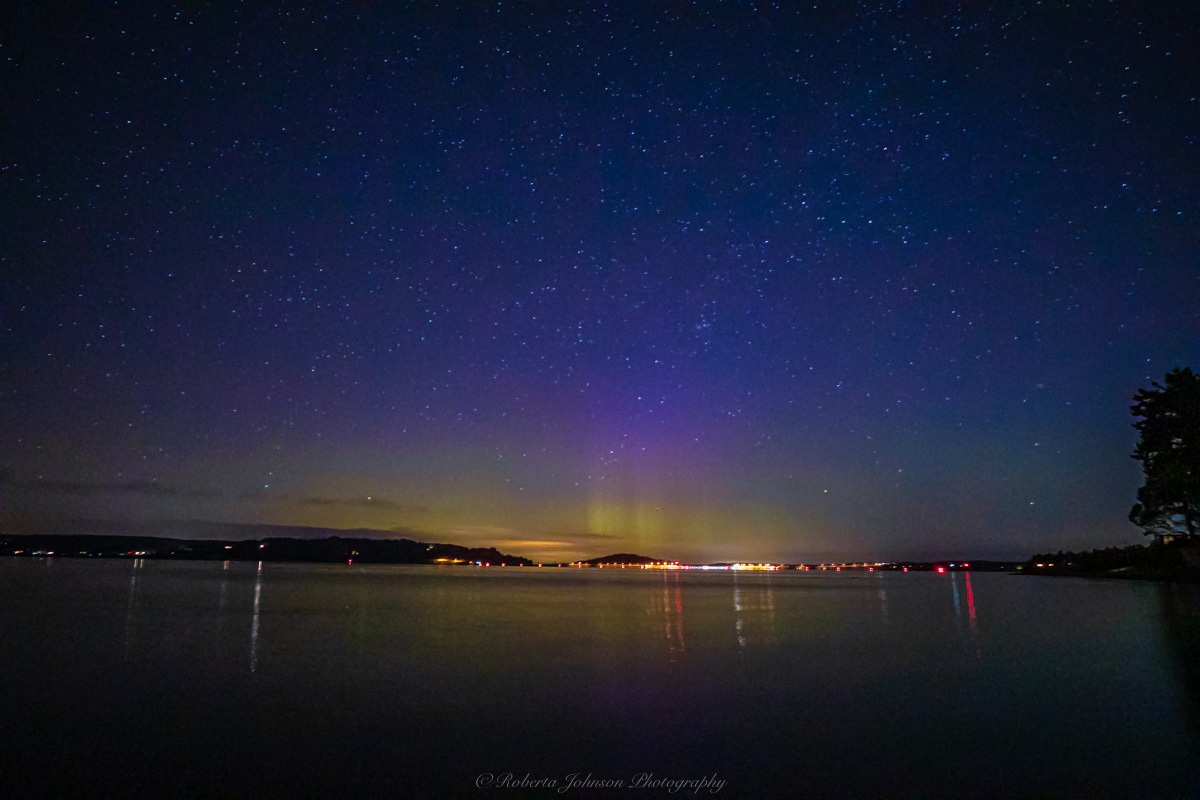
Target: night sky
700	282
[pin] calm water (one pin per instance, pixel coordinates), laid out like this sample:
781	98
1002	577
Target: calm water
152	678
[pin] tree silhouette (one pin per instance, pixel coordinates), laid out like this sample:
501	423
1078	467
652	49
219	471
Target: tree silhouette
1169	502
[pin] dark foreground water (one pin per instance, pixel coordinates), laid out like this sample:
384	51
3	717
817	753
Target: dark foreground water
121	678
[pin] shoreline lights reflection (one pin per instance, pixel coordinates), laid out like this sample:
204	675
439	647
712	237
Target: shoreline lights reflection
673	622
254	621
940	568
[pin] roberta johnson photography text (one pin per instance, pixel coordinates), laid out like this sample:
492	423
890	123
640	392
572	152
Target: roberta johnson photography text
577	780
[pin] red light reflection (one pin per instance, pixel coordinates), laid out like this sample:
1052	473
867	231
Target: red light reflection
970	598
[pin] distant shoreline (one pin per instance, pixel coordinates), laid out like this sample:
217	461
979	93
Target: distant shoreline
337	549
329	550
1177	561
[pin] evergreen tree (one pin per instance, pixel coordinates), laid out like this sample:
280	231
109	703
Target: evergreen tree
1169	502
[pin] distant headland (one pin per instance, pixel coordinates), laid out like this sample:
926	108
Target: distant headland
331	549
623	559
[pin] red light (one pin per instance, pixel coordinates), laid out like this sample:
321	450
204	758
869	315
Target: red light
941	569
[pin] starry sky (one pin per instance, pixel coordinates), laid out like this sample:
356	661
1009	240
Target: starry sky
704	282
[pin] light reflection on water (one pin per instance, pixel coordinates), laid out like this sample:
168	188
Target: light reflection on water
254	621
755	610
672	617
737	606
389	677
968	637
135	573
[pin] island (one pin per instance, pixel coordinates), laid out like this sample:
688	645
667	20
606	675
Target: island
622	559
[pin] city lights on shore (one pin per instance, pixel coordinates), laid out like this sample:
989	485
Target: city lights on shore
739	566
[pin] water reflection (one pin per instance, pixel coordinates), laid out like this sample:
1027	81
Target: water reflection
770	610
254	622
221	599
673	623
970	599
131	606
1179	605
679	614
751	627
737	607
456	656
666	600
969	594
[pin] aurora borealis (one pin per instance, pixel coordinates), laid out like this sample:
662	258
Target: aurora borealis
701	282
